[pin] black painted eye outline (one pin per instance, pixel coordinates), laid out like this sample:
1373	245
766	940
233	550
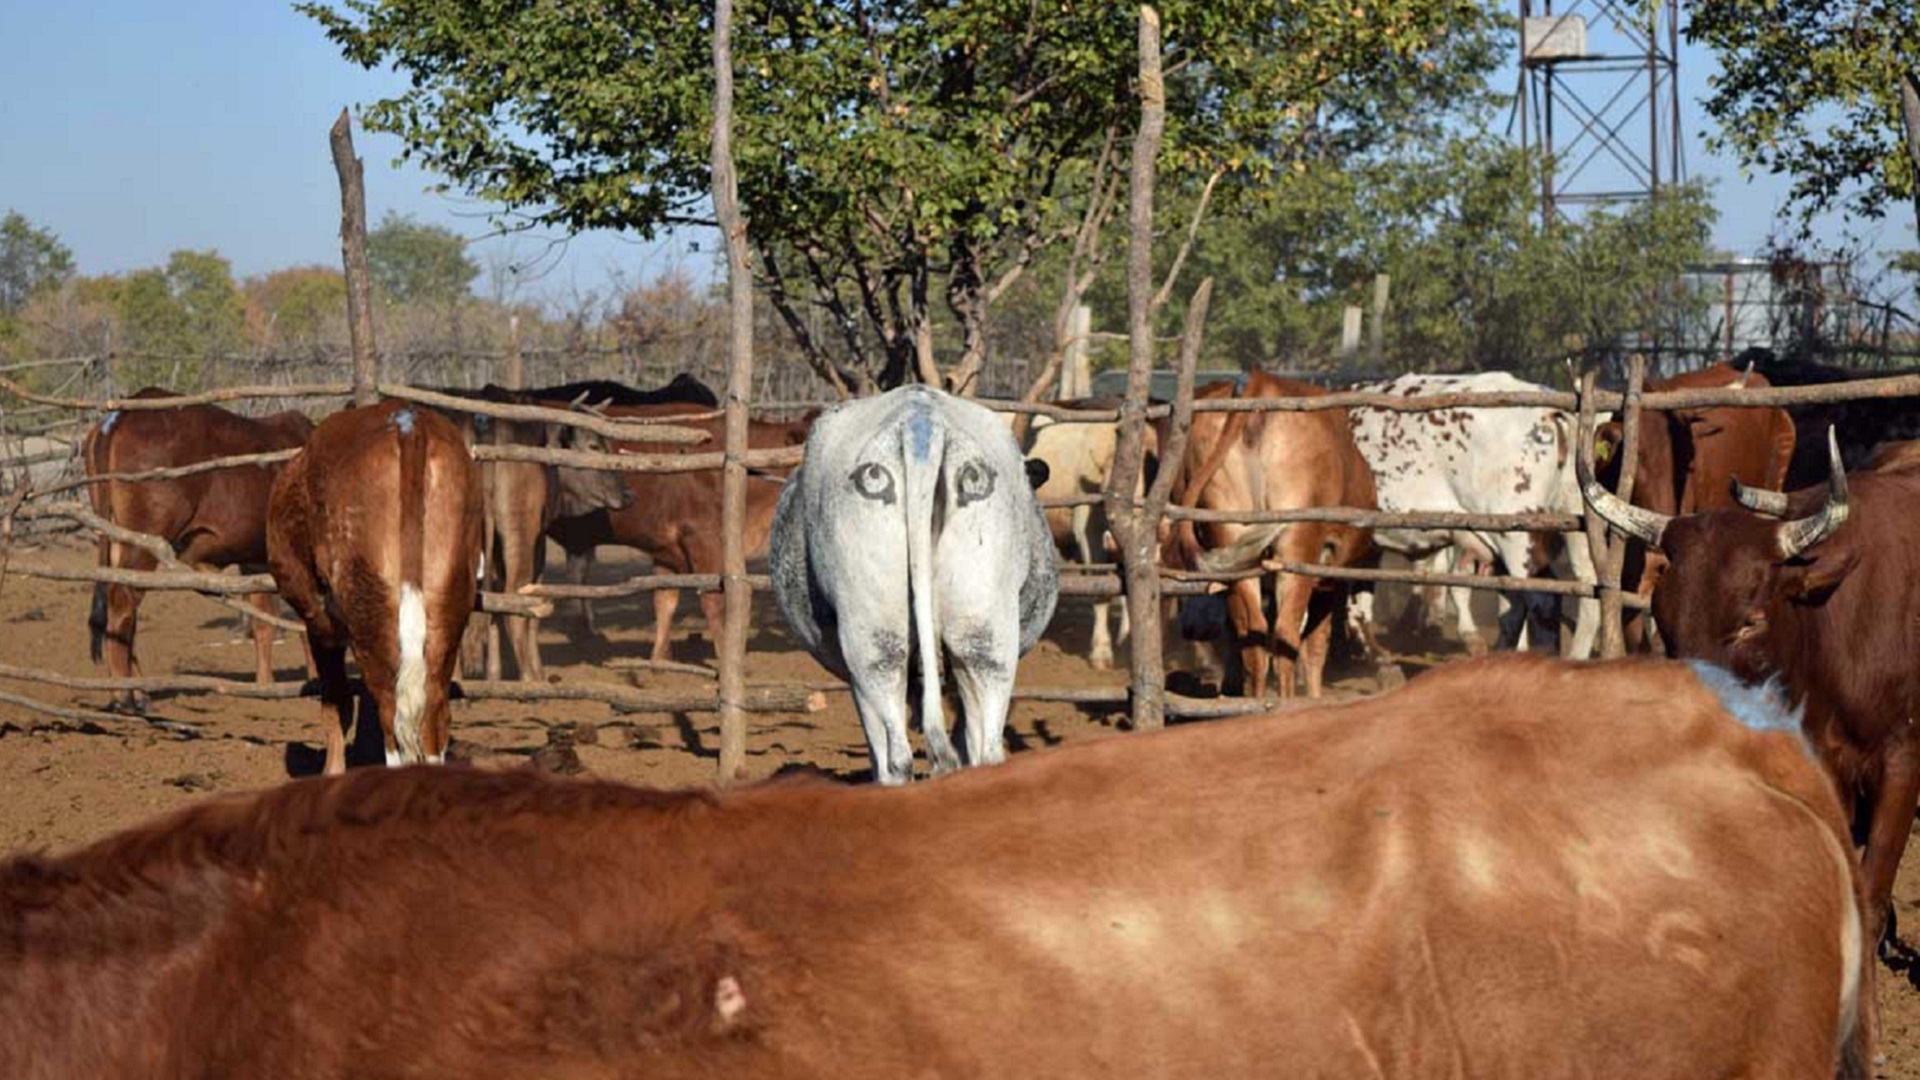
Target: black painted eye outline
973	483
874	482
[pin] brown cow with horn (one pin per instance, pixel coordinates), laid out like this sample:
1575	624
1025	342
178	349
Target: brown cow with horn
1512	867
374	537
212	519
1820	589
1688	458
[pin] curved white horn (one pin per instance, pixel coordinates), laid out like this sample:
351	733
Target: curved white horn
1643	524
1760	500
1799	536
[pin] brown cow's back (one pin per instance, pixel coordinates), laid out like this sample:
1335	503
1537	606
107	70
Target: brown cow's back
212	519
384	502
1512	867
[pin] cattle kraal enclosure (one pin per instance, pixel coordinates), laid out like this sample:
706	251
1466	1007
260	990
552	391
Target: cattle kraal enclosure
654	736
1523	863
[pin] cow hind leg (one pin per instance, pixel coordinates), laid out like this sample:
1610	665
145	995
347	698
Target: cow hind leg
877	663
1316	640
1293	595
336	702
123	619
1892	813
665	603
263	638
578	565
713	605
982	666
1100	652
1249	624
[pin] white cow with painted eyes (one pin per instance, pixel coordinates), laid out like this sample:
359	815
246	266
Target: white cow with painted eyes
912	526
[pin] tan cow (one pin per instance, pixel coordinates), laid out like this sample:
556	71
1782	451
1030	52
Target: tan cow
373	536
1079	458
1513	867
522	499
212	519
1273	461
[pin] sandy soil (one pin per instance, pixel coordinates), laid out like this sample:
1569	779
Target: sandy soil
65	782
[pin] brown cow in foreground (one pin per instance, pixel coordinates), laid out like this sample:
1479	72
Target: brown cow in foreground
374	538
1511	867
1273	461
674	518
1687	459
212	519
1823	592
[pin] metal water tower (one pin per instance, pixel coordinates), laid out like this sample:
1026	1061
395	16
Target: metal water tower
1600	97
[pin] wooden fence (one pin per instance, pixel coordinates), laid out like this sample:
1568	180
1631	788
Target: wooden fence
1076	580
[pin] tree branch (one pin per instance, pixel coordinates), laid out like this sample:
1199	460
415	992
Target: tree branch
1186	246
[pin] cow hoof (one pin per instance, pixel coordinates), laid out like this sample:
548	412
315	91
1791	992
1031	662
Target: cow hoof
1476	646
1391	676
129	706
1101	661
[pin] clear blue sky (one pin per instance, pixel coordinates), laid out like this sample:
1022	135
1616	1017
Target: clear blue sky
134	129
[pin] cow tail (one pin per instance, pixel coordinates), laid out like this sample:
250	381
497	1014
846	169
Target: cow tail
1244	553
921	455
410	679
96	460
1188	484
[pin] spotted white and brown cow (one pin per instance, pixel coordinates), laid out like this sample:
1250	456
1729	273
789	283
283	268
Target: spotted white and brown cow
1494	460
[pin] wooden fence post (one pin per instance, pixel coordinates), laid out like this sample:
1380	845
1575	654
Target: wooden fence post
353	254
516	374
1076	375
738	595
1612	636
1596	526
1377	325
1136	533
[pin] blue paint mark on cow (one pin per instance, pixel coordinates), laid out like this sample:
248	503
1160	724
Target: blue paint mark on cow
403	421
107	422
920	427
1240	383
1762	708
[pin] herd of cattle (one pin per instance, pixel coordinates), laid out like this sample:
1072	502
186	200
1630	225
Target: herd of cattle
1499	842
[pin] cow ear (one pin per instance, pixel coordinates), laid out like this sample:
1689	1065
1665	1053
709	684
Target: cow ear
1605	441
1812	580
1701	425
1037	473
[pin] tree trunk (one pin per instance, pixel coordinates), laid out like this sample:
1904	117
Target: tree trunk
353	256
1132	527
1910	120
738	595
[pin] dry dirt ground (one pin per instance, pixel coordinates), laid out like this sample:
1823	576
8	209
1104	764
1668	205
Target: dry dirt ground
65	782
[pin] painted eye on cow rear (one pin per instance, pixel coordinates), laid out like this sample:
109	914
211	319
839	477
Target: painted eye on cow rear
973	483
873	481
